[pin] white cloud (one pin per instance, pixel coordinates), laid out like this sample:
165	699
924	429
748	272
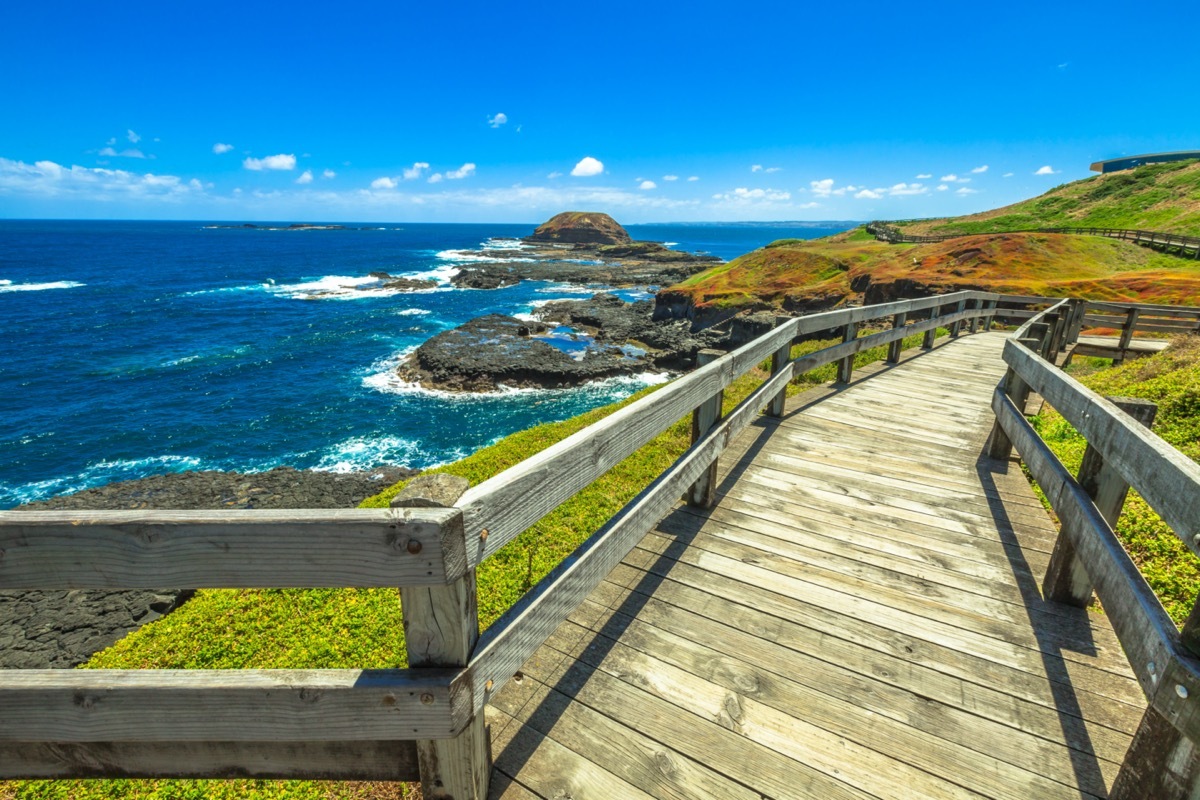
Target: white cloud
983	168
965	190
1047	170
942	187
305	177
867	194
761	168
924	176
49	179
670	177
647	185
951	178
756	168
281	161
822	188
383	183
901	189
693	177
769	170
1007	175
465	171
743	195
588	167
220	148
554	175
111	141
133	137
328	174
498	120
129	152
414	172
436	177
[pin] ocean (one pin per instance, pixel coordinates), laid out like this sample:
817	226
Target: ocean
138	348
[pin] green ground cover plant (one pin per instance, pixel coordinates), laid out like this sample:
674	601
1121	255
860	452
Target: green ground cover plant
1172	380
363	628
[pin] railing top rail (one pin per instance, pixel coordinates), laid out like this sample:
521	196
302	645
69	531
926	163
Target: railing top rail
237	549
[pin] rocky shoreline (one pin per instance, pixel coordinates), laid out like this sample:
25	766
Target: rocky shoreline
40	630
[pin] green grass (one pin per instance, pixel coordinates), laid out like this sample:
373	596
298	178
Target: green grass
1154	197
1172	380
363	628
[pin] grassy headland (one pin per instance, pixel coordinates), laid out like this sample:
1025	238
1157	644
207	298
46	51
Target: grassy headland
798	275
1161	197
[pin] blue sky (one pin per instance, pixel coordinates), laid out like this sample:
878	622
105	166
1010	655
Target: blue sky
504	112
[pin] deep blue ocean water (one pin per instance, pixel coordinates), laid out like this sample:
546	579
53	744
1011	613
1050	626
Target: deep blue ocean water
136	348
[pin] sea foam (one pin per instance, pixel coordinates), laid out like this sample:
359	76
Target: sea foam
10	286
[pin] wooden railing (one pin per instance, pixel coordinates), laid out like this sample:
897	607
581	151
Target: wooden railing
425	721
1160	240
1162	762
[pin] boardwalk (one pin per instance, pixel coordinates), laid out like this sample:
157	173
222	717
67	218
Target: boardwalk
859	616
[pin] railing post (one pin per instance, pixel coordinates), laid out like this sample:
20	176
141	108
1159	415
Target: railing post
1160	763
441	626
973	326
898	322
931	334
703	492
956	326
990	305
1131	319
1078	311
1066	578
1017	391
781	360
845	368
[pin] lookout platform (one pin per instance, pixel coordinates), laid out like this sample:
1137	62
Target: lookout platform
858	616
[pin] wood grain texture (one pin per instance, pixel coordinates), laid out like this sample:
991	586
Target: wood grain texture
303	548
56	705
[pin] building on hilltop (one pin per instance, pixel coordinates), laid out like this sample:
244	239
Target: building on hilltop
1129	162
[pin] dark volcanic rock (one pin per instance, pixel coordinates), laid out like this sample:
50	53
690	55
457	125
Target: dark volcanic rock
62	629
671	343
581	227
487	352
491	277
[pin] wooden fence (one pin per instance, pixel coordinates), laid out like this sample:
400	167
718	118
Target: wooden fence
427	721
1121	453
1160	240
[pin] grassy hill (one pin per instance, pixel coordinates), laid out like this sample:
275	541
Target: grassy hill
798	275
1161	197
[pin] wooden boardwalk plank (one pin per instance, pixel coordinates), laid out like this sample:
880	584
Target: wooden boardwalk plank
857	617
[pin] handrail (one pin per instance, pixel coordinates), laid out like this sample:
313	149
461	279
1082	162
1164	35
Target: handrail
890	234
1121	453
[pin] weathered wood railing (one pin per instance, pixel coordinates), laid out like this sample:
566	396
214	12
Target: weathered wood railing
1161	240
1163	761
426	720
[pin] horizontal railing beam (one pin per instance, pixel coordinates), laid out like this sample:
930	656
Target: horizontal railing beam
320	760
62	705
235	549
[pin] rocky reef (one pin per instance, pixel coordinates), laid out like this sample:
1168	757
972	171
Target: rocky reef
572	344
496	351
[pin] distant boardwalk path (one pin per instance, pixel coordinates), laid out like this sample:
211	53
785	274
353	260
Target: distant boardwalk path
857	617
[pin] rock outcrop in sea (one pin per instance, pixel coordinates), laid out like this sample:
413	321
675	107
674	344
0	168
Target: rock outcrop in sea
581	227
